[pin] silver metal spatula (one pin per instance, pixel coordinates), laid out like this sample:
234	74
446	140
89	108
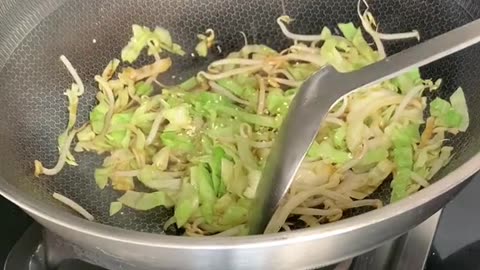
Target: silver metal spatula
315	97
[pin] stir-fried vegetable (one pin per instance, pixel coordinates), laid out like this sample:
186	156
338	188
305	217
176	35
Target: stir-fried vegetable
205	42
75	206
200	146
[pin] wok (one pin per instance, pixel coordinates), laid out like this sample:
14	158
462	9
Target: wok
33	33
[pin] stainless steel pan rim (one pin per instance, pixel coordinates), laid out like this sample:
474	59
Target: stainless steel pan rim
106	232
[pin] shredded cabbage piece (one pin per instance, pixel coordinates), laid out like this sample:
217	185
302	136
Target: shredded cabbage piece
157	41
115	207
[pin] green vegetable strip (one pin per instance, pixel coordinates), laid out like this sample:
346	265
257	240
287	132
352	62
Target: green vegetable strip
189	84
202	179
187	203
216	166
145	201
403	139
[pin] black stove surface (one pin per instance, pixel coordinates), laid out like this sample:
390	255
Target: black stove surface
13	225
457	241
456	244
